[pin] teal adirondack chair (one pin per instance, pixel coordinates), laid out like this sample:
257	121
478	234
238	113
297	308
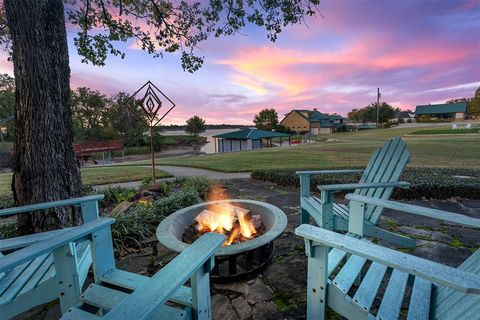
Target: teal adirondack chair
345	272
33	282
118	294
378	180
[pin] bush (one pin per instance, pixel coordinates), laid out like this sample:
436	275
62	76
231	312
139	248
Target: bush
141	222
6	202
200	185
115	195
431	183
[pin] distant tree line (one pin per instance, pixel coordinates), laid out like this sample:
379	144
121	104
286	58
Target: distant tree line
94	115
181	127
473	104
369	113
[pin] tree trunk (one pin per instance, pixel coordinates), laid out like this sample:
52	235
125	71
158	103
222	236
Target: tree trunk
44	164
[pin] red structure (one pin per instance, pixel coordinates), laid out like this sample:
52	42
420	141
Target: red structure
88	147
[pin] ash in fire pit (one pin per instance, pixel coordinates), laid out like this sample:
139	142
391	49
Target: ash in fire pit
237	224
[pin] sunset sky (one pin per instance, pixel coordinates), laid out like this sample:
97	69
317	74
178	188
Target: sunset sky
417	52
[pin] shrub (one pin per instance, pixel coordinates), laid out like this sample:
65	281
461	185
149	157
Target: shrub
8	229
432	183
145	182
115	195
6	201
200	185
141	222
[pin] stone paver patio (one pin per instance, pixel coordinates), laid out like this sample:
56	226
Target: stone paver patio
280	292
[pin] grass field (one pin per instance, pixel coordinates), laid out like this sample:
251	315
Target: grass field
448	131
96	176
346	150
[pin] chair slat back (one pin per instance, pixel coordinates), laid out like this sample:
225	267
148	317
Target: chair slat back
386	165
451	304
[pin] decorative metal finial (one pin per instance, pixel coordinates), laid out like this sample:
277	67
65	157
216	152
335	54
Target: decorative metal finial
151	110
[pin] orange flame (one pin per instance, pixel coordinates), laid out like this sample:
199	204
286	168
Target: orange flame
223	217
246	225
209	221
233	236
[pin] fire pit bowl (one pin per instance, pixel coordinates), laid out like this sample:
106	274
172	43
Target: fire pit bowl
242	260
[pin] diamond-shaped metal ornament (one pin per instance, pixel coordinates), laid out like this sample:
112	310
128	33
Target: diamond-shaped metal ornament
150	110
150	104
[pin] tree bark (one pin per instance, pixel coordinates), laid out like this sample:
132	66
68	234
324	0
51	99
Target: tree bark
44	164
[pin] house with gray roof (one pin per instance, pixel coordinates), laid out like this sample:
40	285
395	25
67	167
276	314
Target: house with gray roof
313	121
249	139
450	111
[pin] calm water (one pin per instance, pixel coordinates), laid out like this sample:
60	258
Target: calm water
210	146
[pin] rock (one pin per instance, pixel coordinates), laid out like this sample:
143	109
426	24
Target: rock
289	274
470	237
244	310
257	221
257	291
138	262
441	253
222	309
265	310
137	196
415	233
157	187
146	193
121	208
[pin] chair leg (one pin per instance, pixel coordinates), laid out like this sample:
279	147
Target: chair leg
66	276
200	281
317	282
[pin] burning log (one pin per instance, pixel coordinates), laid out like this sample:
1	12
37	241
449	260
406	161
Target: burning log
236	223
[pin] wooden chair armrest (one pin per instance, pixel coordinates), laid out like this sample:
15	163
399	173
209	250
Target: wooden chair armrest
148	297
319	172
417	210
351	186
62	238
23	241
48	205
437	273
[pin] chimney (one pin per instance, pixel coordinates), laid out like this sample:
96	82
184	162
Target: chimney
315	109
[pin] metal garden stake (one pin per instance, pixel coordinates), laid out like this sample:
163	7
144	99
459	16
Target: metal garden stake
149	111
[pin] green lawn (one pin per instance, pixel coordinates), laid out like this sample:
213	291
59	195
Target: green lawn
348	149
448	131
95	176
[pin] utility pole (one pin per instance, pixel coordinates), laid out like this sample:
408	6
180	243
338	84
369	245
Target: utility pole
378	104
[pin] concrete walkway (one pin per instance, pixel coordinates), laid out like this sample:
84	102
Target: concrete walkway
177	171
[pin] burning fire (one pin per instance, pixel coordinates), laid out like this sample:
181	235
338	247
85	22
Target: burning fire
226	219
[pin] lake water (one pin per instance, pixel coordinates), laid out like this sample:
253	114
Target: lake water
209	147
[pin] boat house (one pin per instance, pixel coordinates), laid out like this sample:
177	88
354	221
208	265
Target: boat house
452	111
249	139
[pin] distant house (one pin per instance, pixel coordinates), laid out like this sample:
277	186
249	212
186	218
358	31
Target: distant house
249	139
403	117
313	121
450	111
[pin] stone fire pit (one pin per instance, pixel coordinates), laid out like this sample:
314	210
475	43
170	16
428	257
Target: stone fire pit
237	261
